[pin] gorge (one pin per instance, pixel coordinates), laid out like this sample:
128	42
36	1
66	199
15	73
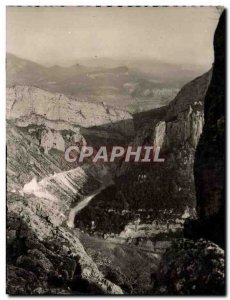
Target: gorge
54	196
115	227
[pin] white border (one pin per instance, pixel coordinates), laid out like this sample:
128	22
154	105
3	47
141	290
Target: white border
3	4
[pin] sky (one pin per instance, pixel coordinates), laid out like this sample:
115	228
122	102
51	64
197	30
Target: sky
67	35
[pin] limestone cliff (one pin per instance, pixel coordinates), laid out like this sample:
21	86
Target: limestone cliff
25	102
156	191
176	132
209	167
183	125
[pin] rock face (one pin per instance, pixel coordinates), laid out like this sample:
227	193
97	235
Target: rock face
47	176
159	134
197	266
209	167
30	102
40	126
38	239
177	132
149	189
43	259
44	256
191	268
187	128
52	140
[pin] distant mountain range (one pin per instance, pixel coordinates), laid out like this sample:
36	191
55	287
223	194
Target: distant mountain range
123	86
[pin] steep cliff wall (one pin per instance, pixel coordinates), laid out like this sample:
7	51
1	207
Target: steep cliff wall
156	191
209	167
177	132
196	266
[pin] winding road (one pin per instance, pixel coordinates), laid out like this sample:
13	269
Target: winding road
81	205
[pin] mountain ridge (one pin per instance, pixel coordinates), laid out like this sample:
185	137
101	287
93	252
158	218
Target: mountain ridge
120	86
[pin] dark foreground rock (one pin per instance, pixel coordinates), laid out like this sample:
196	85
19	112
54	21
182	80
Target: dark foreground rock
191	268
52	265
36	267
209	166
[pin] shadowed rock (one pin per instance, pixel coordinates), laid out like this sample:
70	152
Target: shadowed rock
209	166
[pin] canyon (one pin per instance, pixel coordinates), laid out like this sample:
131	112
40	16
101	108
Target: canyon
117	227
53	196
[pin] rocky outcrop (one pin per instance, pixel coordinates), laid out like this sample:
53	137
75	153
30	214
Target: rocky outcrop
187	128
30	153
159	134
209	166
44	256
52	140
25	102
191	268
43	259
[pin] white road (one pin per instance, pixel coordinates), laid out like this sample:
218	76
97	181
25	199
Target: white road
81	205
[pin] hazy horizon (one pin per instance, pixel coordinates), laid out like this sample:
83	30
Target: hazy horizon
67	35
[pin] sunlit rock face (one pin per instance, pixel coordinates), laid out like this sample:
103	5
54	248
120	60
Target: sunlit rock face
24	102
159	134
187	127
184	122
183	126
51	140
